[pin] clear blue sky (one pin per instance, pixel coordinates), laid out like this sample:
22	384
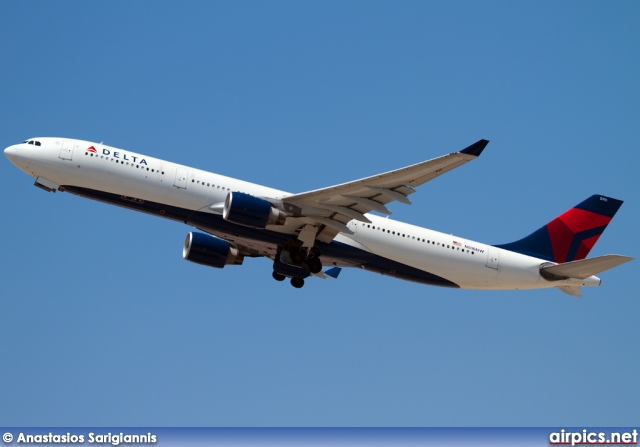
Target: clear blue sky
104	323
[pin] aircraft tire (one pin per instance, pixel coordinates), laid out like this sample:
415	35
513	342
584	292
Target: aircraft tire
314	264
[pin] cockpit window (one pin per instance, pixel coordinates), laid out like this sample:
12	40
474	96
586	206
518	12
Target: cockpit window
37	143
30	142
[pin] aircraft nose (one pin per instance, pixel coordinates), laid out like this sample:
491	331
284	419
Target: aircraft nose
10	151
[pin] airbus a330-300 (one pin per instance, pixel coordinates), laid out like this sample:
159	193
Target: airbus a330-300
334	227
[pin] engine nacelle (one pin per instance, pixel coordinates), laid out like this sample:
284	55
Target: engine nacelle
210	251
250	211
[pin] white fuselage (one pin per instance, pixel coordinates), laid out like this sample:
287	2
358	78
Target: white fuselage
77	165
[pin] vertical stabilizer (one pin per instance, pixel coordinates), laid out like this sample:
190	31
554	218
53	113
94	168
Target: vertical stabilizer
570	236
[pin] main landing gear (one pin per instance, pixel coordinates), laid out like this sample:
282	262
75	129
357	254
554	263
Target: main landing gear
296	262
294	254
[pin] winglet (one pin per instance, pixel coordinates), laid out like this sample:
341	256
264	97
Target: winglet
476	148
333	272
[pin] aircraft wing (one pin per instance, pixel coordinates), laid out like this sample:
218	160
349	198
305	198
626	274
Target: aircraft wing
333	207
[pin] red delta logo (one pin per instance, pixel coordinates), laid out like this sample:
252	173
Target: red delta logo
92	149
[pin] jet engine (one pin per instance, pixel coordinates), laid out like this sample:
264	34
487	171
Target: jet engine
210	251
250	211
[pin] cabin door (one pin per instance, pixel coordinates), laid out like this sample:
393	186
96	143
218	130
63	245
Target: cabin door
66	151
181	178
493	258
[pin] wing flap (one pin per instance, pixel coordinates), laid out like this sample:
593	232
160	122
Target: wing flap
571	290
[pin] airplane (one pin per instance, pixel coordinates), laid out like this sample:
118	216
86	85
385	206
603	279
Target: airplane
329	227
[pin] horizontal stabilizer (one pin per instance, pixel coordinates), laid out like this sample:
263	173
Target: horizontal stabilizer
584	268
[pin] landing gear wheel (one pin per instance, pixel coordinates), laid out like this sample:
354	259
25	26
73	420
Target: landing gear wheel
277	276
314	264
297	282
